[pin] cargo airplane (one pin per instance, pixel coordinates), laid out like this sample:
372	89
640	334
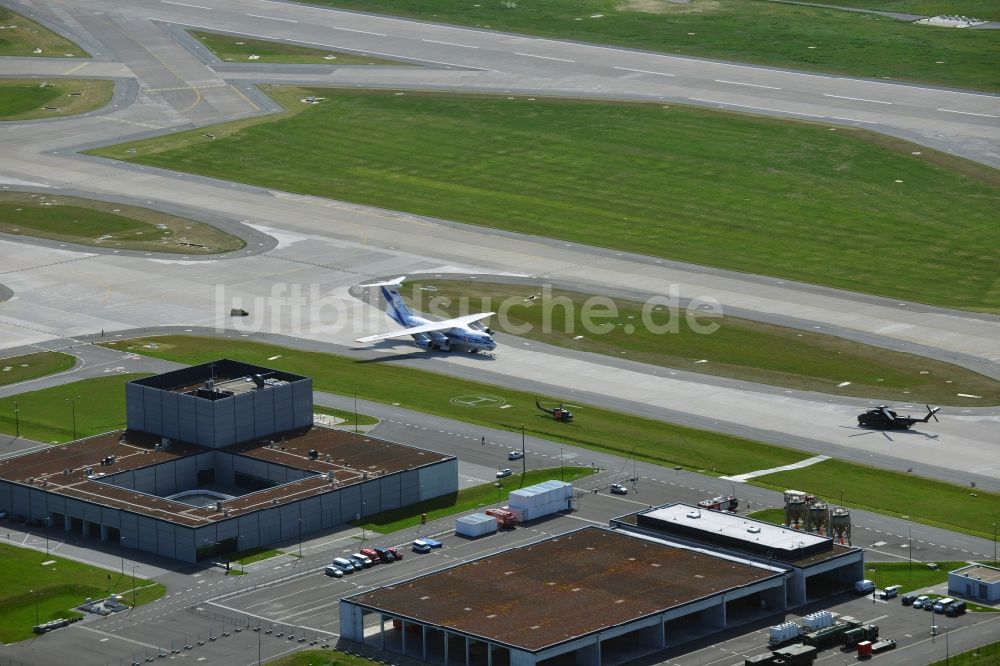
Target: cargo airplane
466	332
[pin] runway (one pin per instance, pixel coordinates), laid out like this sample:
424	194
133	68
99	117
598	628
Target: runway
310	250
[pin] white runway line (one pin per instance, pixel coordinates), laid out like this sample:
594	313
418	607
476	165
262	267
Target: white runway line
183	4
969	113
784	468
856	99
751	85
363	32
272	18
532	55
854	120
643	71
756	108
435	41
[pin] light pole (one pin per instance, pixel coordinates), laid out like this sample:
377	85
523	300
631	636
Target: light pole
524	462
300	537
72	403
122	539
48	524
876	586
909	547
134	591
562	475
17	420
994	544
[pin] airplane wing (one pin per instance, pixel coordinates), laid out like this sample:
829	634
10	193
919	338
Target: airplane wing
391	283
428	328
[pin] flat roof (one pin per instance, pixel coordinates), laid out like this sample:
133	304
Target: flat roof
980	572
562	588
736	527
226	376
348	457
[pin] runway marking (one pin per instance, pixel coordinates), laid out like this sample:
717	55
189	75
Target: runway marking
856	99
272	18
435	41
969	113
643	71
76	68
855	120
756	108
363	32
784	468
121	638
752	85
183	4
532	55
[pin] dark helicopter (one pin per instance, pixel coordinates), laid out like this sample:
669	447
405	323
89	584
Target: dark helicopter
884	418
559	413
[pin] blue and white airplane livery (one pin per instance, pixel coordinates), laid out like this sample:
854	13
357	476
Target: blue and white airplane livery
466	332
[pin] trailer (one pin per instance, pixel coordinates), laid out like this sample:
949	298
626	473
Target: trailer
721	503
829	636
796	655
883	645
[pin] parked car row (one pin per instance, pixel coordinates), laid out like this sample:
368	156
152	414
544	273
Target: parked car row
365	559
945	605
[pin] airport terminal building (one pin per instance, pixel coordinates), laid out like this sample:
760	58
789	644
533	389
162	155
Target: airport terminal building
218	458
653	580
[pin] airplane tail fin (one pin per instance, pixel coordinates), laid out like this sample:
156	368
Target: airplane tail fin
395	307
930	413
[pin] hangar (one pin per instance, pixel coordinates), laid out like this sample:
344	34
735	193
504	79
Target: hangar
657	578
218	458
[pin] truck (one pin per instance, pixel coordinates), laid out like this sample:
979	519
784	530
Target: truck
864	586
883	645
783	633
723	503
866	632
796	655
833	635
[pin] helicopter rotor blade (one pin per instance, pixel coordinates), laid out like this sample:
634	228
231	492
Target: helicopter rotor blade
933	413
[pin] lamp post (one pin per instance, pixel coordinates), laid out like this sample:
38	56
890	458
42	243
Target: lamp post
72	403
134	591
909	547
524	462
994	544
48	524
562	475
122	539
300	537
876	586
17	420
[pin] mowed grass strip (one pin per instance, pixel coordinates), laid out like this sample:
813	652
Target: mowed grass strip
110	225
598	429
900	494
737	348
769	33
20	36
47	415
971	8
27	99
240	49
482	496
320	658
14	369
57	588
833	206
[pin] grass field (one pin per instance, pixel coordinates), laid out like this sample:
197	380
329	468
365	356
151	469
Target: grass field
740	30
983	9
22	99
776	516
57	588
362	419
485	495
739	348
987	655
598	429
104	224
14	369
894	493
21	36
255	555
47	415
320	658
239	49
843	208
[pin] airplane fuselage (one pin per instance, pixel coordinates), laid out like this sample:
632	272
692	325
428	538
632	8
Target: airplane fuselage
457	337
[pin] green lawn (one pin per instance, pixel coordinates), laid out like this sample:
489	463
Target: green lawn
487	495
320	658
254	555
22	99
911	576
893	493
57	588
111	225
598	429
982	9
987	655
349	417
776	516
844	208
741	30
14	369
47	415
738	348
239	49
23	37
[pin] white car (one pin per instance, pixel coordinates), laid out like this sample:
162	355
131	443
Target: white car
515	455
334	571
618	489
504	472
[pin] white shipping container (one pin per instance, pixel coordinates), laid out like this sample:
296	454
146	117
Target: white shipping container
475	525
818	620
783	632
542	499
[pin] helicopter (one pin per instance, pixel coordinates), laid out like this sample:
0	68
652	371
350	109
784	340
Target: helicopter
559	413
885	419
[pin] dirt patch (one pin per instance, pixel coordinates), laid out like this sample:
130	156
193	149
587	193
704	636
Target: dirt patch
669	6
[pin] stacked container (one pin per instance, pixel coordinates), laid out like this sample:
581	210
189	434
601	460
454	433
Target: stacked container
818	620
475	525
782	633
541	499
